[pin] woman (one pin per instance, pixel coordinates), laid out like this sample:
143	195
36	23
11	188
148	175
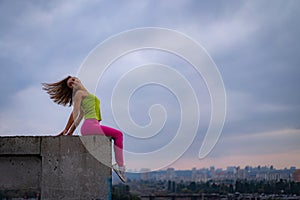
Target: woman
71	91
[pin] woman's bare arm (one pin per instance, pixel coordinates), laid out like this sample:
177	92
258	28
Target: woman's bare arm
68	126
77	112
76	108
76	123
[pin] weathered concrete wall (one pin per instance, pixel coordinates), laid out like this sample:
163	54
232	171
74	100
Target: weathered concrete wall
52	168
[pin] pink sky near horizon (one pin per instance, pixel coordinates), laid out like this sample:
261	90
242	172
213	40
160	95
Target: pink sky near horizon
278	160
278	148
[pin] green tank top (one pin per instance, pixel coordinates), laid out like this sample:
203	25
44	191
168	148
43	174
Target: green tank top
90	105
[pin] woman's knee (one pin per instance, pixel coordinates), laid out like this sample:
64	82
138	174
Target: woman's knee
119	134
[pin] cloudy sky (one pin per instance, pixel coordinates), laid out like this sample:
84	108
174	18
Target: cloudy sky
254	45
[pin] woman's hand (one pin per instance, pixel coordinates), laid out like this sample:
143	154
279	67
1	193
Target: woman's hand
68	127
70	133
64	132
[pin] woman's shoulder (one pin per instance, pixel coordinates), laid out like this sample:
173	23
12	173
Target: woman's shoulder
81	94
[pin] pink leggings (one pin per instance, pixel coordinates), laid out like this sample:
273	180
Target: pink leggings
93	127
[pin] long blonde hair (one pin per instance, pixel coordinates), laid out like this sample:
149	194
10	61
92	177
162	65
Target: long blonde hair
59	91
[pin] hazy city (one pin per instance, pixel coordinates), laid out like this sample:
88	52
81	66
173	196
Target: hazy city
260	182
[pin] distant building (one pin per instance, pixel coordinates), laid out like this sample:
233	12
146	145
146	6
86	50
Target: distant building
145	174
241	173
171	174
296	175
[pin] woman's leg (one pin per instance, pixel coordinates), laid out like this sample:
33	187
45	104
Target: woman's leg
92	127
118	142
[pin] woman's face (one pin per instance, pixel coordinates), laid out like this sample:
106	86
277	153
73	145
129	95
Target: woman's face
73	82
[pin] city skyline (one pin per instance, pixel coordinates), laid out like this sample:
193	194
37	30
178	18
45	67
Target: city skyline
233	173
253	44
143	170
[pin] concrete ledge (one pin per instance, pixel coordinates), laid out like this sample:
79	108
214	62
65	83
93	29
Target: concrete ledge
20	145
55	167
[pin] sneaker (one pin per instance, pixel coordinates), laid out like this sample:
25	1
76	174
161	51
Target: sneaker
120	171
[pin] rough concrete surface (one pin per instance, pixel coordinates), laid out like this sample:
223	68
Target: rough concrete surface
52	168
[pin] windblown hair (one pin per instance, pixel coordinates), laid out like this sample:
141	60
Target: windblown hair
59	92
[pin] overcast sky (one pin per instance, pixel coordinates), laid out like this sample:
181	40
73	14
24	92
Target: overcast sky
254	44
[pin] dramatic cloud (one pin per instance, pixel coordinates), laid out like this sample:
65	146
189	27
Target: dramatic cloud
253	43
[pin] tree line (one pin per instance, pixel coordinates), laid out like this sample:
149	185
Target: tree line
122	192
241	186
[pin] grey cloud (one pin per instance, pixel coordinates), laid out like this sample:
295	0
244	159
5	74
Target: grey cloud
254	44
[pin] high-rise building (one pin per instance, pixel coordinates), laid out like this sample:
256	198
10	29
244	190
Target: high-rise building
296	175
170	174
145	174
